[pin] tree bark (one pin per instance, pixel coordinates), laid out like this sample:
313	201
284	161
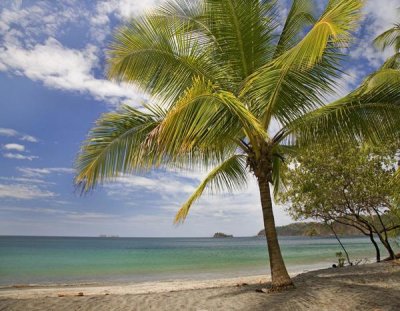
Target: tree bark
279	275
378	252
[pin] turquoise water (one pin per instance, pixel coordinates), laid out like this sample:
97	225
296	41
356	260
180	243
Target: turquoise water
42	260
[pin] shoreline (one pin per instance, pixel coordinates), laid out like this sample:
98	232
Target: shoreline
152	287
90	288
364	287
208	277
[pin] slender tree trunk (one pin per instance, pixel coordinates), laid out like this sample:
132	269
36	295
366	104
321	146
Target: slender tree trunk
385	239
378	252
387	245
340	242
279	275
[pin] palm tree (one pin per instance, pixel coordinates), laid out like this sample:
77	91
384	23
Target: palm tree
222	74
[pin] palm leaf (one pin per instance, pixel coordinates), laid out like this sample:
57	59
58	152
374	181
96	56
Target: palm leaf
308	68
390	37
230	175
243	30
161	58
114	146
300	15
371	112
334	27
393	62
203	117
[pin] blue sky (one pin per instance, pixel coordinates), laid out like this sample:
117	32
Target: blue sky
52	89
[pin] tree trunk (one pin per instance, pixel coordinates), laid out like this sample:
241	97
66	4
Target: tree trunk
378	252
385	240
279	275
340	242
387	245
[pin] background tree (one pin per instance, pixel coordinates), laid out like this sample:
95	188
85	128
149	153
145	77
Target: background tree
221	75
346	184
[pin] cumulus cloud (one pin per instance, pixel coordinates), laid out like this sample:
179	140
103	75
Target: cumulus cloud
23	51
159	183
25	180
24	192
13	133
18	156
8	132
16	147
26	25
379	16
66	69
65	214
41	172
29	138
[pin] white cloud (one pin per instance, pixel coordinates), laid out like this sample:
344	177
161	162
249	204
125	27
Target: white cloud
65	214
8	132
24	192
29	209
41	172
379	16
13	133
158	183
128	8
16	147
170	191
28	24
66	69
29	138
18	156
24	180
23	51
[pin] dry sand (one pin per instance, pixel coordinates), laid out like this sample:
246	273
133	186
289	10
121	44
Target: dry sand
367	287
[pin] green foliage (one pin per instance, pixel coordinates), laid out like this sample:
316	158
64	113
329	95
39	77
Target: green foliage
311	228
335	182
341	259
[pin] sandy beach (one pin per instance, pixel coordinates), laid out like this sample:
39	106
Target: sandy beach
365	287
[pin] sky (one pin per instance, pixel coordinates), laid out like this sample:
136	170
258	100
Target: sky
53	88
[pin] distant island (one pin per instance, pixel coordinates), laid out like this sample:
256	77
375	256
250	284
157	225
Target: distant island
222	235
108	236
313	229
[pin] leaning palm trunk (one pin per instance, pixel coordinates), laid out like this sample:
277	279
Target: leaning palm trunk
220	76
279	274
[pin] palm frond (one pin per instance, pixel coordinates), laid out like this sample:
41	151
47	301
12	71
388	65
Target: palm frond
161	56
243	30
389	38
281	155
230	175
393	62
203	117
115	146
293	83
371	112
300	15
334	27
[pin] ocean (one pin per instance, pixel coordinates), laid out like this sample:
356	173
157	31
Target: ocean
85	260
